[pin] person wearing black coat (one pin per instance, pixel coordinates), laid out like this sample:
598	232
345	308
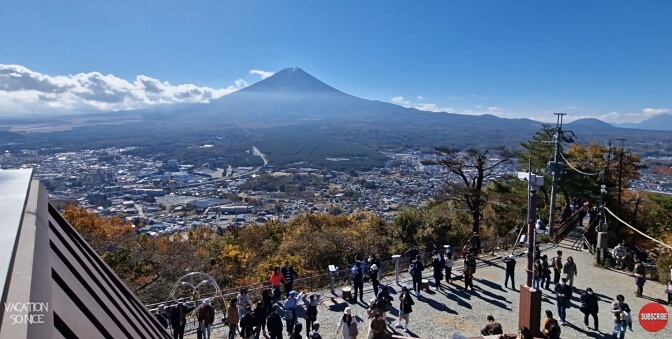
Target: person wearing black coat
405	308
412	254
247	323
358	280
417	275
259	315
510	272
178	319
274	324
438	264
475	244
161	316
373	260
589	306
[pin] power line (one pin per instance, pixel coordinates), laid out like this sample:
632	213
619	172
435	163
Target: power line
574	168
636	230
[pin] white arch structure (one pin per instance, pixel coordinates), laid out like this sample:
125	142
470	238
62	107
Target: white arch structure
195	282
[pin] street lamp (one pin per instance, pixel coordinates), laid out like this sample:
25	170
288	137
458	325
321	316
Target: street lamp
529	310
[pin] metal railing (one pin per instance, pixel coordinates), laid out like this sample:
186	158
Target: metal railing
321	281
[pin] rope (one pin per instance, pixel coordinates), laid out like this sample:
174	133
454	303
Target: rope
574	168
636	230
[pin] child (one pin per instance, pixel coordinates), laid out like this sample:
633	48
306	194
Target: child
668	290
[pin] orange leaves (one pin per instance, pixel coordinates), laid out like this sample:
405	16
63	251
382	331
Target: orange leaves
98	231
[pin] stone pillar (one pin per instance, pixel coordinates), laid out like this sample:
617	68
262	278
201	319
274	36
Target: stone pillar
397	260
530	309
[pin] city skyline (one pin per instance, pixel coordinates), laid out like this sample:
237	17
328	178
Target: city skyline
603	59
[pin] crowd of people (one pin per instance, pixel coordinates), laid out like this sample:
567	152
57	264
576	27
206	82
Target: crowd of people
266	315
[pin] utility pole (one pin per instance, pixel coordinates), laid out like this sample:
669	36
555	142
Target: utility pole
602	228
620	174
556	168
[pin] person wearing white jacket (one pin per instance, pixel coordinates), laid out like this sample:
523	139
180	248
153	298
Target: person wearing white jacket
346	325
449	265
242	300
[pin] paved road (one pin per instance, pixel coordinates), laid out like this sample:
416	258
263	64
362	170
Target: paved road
442	313
141	212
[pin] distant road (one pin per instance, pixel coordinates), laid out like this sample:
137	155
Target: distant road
258	153
235	176
228	176
141	213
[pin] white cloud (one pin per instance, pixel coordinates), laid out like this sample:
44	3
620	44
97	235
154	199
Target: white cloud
571	108
25	91
433	108
262	74
400	100
495	109
646	113
655	111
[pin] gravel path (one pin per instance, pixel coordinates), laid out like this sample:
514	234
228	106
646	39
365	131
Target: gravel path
441	313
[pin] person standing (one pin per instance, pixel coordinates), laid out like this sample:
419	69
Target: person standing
412	253
510	262
375	276
384	301
449	265
274	323
465	251
297	332
267	303
373	260
247	324
415	270
589	307
358	280
538	274
232	318
468	274
178	319
570	271
537	252
475	244
405	308
242	301
557	267
315	334
259	315
546	272
344	323
438	264
668	291
161	316
288	275
618	310
206	317
640	276
290	311
311	311
377	328
562	298
277	280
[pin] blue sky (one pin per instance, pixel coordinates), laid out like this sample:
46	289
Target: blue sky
608	59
